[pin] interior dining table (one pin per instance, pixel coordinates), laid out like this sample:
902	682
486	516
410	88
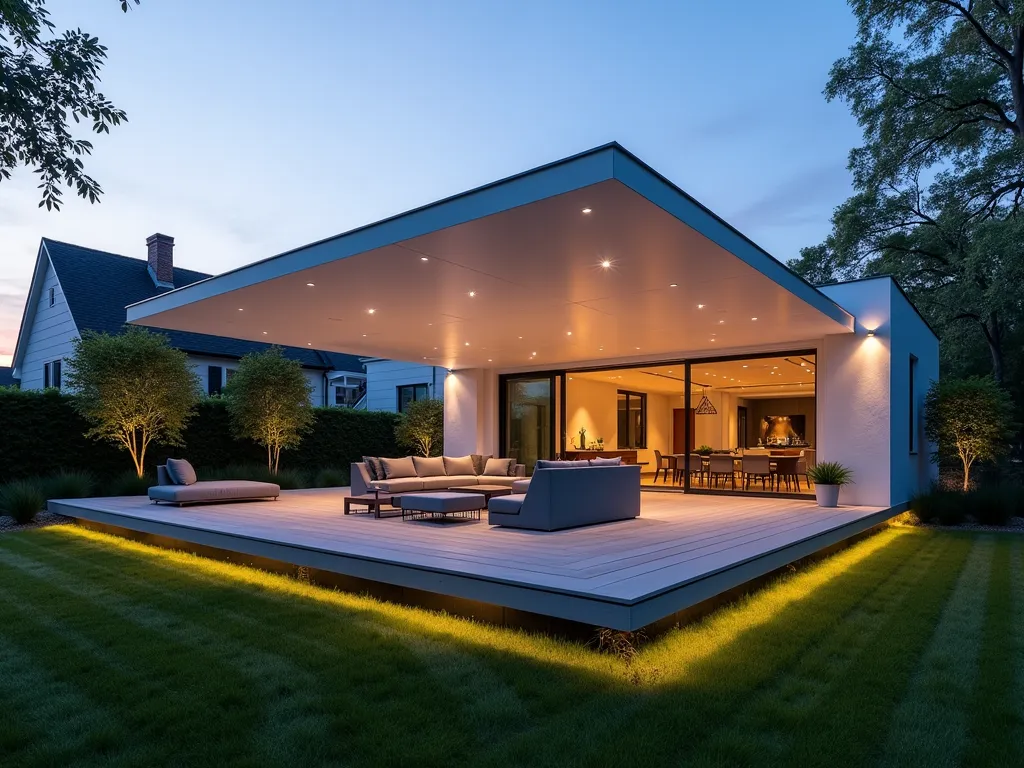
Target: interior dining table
782	466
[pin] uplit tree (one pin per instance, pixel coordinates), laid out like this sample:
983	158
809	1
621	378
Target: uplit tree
133	388
421	427
970	420
268	399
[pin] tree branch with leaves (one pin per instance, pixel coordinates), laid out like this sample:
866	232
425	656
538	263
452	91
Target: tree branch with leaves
46	78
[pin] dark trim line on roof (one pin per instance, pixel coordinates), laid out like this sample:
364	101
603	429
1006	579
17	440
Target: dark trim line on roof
898	288
614	146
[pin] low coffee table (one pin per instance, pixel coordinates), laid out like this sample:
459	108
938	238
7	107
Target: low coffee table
372	501
487	491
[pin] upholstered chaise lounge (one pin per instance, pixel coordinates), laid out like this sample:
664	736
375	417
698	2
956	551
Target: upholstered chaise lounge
192	491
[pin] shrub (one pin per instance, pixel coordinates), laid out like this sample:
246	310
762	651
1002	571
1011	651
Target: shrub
830	473
940	507
23	500
332	478
69	485
129	484
291	479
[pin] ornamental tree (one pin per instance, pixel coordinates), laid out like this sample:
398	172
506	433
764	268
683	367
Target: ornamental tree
47	80
133	388
970	420
268	399
421	427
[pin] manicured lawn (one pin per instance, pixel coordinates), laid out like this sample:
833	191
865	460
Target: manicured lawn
907	649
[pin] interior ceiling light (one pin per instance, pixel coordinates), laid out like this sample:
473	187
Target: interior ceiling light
705	407
568	333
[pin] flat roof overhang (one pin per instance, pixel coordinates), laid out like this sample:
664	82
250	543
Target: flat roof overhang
511	275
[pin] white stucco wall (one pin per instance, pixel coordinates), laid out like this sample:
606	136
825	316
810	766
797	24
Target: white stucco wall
50	334
383	377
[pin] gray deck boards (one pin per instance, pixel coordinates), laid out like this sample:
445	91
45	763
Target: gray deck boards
678	541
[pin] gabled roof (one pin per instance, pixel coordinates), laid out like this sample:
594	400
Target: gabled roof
98	286
7	377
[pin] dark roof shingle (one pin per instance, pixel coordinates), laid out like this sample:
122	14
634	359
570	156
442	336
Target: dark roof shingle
98	286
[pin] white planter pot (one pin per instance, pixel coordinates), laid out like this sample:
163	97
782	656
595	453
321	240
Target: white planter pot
827	495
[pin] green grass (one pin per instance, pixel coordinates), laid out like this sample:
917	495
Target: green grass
907	649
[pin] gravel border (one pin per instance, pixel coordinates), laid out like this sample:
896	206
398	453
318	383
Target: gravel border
43	520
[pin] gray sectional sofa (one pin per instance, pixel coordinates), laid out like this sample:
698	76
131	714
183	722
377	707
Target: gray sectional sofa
559	497
415	473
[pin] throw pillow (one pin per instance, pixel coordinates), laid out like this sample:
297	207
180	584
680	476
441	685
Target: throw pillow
395	468
458	465
432	467
181	472
498	467
373	466
604	462
548	464
479	461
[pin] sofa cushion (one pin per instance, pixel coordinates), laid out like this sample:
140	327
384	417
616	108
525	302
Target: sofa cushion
400	485
433	467
162	478
603	462
497	480
398	468
507	505
499	467
459	465
479	460
215	490
546	464
374	467
443	482
181	472
456	481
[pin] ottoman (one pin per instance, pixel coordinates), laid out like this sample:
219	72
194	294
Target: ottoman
432	505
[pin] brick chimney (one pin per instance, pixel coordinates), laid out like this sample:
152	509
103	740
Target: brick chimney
161	259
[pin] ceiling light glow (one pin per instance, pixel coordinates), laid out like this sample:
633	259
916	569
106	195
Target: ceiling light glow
606	263
587	210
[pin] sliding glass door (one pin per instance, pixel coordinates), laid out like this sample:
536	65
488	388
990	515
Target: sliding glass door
528	418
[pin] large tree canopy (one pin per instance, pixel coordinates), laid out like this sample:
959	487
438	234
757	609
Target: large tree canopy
45	79
937	87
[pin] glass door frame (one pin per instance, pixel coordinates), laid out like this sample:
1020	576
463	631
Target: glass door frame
556	381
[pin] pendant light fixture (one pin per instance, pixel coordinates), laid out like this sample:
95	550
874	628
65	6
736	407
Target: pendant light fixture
705	407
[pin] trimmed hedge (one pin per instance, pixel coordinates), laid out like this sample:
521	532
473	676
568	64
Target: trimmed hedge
44	435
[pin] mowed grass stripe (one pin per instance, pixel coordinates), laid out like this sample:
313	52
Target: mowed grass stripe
930	726
764	727
291	725
996	733
698	676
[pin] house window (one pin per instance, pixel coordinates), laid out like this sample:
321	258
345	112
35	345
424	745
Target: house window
51	375
912	406
215	380
632	420
53	296
410	393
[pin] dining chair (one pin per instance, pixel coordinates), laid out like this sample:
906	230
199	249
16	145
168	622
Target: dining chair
754	467
721	466
697	467
664	464
787	468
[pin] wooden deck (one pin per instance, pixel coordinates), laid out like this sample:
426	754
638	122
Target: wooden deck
682	550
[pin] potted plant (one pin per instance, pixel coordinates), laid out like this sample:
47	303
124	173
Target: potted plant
828	477
705	450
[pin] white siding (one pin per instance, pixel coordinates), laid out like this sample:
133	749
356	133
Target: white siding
383	377
201	365
50	334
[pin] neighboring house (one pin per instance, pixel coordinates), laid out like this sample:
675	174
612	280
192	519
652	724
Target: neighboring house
391	384
591	305
76	289
7	377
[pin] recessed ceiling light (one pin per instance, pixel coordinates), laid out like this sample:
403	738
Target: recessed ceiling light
588	210
467	343
700	306
533	353
721	322
754	319
568	333
311	285
472	294
264	333
435	348
803	365
638	347
673	285
371	311
309	343
606	263
424	258
240	309
489	360
520	337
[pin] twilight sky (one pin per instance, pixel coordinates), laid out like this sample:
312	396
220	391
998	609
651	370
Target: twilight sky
255	127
